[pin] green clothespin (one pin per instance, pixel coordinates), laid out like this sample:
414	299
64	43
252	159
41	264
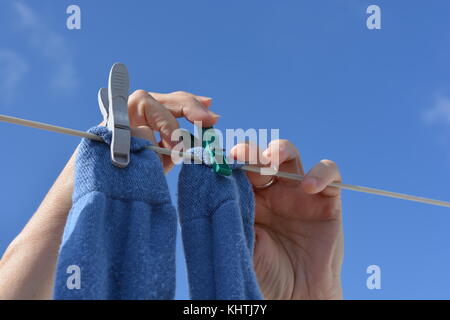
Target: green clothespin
217	158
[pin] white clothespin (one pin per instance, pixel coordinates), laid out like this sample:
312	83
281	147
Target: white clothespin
113	103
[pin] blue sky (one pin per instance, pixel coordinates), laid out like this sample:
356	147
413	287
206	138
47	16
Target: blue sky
375	101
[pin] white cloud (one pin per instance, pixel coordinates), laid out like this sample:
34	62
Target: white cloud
13	69
439	113
26	14
48	44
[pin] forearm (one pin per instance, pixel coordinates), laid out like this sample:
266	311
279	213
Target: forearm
28	265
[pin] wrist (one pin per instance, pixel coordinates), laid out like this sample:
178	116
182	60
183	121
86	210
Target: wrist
328	290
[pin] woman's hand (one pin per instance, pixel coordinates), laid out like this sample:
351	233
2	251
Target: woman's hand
298	226
150	112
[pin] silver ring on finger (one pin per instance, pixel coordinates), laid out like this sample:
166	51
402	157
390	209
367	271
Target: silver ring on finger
267	184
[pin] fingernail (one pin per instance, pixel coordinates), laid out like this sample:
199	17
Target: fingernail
266	153
213	114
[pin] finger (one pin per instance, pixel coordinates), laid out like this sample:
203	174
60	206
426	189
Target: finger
284	156
173	96
144	110
250	153
144	132
193	108
320	176
206	101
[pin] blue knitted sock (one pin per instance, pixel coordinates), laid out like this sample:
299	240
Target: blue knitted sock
217	215
121	230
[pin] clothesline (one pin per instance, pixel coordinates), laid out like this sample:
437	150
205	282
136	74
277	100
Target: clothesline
288	175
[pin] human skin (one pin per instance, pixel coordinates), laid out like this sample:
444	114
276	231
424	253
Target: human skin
298	226
299	243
